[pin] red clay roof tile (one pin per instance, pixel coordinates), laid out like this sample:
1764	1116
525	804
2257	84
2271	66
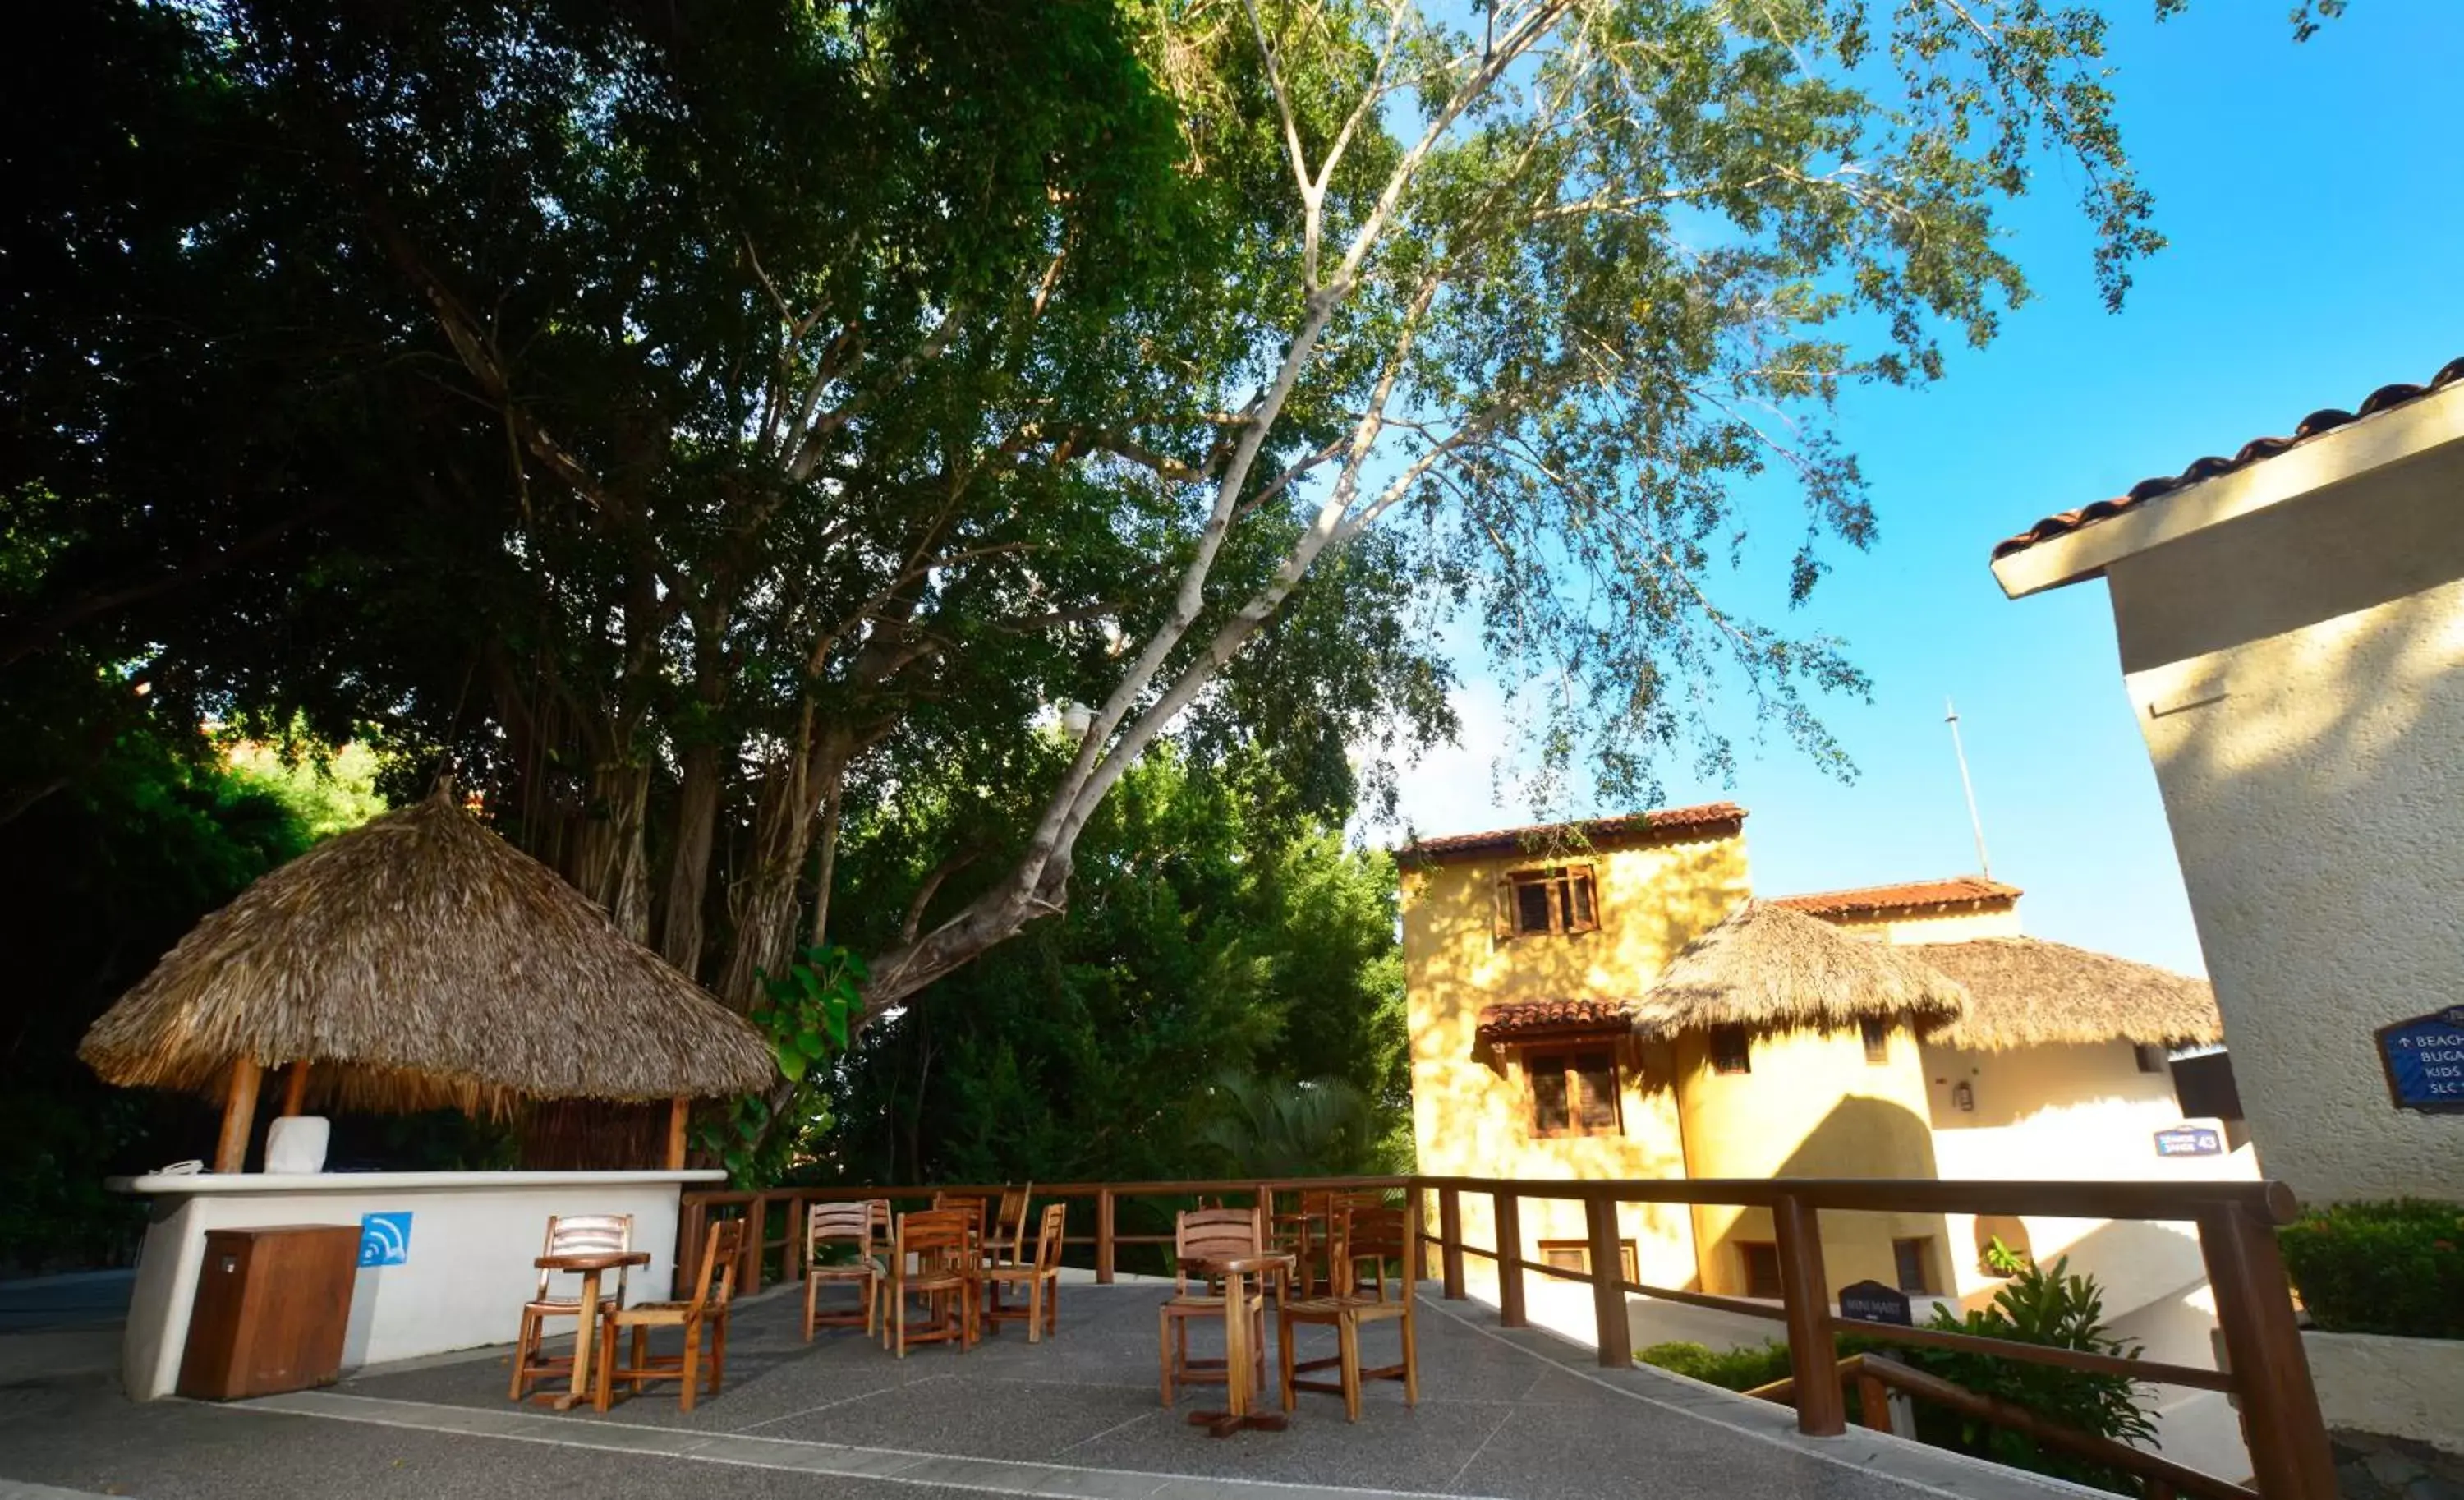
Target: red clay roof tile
1631	828
1864	900
2252	451
1521	1017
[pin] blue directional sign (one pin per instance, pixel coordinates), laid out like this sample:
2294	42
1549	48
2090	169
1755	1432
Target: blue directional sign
2425	1060
2189	1140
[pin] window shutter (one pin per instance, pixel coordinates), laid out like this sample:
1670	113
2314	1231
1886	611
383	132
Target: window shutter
1502	910
1596	1092
1582	899
1547	1076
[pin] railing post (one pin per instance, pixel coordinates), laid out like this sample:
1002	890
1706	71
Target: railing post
757	1215
690	1235
1450	1242
1608	1284
1874	1398
2289	1458
1805	1295
1510	1259
1104	1237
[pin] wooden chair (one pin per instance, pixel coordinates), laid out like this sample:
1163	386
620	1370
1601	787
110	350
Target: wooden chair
1005	1245
1362	1237
1309	1234
568	1234
1039	1276
1200	1234
713	1291
937	1256
853	1225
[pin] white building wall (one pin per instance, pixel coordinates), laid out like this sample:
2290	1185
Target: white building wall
2298	674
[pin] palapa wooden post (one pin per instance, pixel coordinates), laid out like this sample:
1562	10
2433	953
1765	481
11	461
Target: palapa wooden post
679	1115
295	1087
239	1116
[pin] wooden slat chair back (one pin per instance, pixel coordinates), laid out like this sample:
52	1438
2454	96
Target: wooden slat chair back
706	1311
855	1226
937	1256
568	1234
1370	1237
1006	1241
1039	1276
1371	1240
1201	1234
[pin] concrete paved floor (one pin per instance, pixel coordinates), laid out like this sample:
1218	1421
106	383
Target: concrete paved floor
1517	1415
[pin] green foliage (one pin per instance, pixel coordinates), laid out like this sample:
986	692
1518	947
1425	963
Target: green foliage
1214	933
326	792
808	1015
2043	1305
126	839
1730	1369
2381	1268
2038	1306
1310	1127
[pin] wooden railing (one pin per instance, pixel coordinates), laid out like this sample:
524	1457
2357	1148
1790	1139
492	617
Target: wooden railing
2268	1374
1875	1376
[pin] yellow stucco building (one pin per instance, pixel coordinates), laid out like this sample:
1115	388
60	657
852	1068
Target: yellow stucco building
1529	954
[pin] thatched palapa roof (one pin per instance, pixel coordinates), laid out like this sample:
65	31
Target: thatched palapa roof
2028	992
432	964
1773	969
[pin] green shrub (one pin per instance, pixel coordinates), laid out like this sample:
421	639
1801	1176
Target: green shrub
2045	1306
1731	1369
2038	1306
2381	1268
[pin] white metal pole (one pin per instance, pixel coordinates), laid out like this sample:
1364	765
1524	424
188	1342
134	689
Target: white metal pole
1950	717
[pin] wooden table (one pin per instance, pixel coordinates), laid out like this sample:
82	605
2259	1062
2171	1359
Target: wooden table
585	1334
1238	1357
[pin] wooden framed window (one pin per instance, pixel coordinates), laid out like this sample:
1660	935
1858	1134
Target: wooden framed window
1576	1255
1732	1050
1760	1258
1915	1262
1561	899
1574	1092
1878	1040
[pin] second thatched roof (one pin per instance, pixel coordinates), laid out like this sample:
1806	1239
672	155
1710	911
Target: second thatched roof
2028	992
1769	968
421	961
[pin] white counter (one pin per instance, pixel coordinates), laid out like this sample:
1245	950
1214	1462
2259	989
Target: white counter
451	1275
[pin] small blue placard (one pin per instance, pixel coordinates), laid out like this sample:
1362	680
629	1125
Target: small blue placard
2189	1140
2425	1060
385	1239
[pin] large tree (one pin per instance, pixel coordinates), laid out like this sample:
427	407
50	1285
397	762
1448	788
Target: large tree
677	418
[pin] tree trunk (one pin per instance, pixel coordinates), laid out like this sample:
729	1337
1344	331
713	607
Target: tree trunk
609	865
680	933
765	905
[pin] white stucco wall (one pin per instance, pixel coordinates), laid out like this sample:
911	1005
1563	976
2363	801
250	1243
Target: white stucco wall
473	1236
2397	1388
2073	1113
2298	675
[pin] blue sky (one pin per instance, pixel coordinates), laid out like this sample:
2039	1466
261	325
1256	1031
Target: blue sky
2311	195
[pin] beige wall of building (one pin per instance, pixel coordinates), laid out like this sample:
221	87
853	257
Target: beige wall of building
2292	638
1810	1105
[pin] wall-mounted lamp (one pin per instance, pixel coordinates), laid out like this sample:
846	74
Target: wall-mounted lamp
1963	1098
